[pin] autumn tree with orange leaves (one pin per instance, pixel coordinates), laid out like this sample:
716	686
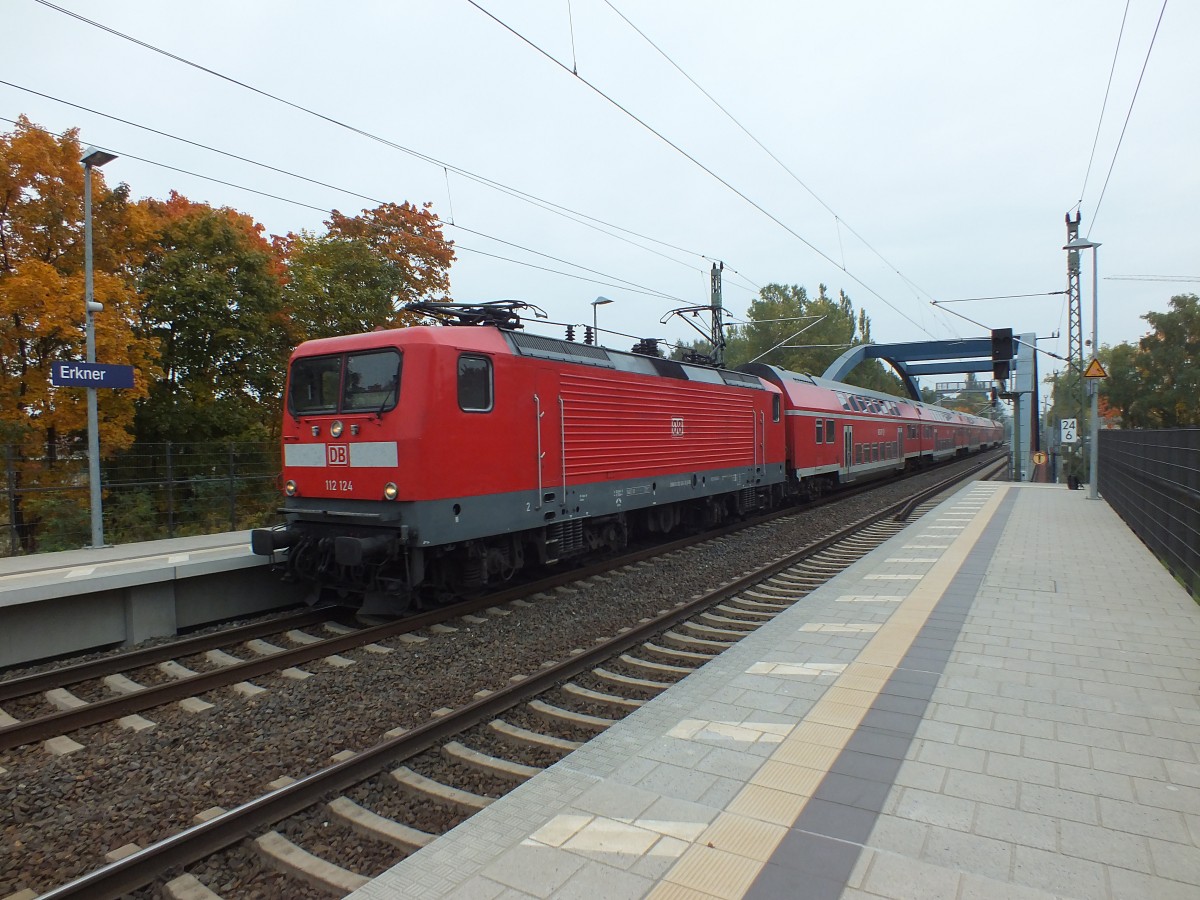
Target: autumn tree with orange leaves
41	306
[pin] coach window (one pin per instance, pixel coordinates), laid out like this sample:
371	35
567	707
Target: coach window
820	425
474	383
830	435
874	453
857	454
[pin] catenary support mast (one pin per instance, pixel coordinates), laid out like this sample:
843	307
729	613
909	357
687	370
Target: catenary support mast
1075	326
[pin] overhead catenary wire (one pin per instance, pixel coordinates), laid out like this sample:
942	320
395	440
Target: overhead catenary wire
1004	297
678	149
1128	113
547	205
839	222
314	181
614	282
1179	278
1036	349
1103	107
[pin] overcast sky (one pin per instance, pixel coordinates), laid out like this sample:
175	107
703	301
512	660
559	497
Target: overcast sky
951	136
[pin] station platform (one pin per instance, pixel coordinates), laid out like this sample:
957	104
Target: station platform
76	600
1002	701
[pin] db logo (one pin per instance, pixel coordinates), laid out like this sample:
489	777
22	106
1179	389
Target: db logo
677	427
337	454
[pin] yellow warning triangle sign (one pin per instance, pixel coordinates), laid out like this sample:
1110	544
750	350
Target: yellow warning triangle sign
1095	370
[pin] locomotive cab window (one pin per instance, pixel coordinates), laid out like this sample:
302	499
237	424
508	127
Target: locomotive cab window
372	381
314	384
474	383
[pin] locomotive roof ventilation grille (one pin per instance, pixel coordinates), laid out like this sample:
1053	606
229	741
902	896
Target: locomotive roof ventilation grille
564	351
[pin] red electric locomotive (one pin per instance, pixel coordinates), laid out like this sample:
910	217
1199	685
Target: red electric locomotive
441	458
436	460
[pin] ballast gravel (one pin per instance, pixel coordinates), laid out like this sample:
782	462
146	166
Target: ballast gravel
60	815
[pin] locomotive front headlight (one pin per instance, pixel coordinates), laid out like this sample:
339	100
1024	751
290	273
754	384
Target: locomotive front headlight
289	488
336	429
390	491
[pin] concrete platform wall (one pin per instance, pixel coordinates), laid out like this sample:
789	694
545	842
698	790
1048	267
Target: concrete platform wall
43	615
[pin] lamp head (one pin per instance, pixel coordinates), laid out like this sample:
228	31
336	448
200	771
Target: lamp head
95	157
1081	244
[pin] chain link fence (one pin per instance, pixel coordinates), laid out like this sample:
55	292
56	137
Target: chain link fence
150	491
1152	480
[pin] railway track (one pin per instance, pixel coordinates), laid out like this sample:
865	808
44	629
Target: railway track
538	716
123	692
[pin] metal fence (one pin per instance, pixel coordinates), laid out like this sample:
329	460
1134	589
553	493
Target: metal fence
1152	480
150	491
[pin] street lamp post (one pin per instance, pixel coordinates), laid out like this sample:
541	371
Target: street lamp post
92	156
599	301
1094	427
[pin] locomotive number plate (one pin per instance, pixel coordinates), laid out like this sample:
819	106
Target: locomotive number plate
335	484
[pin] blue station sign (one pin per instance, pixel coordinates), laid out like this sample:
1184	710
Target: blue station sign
93	375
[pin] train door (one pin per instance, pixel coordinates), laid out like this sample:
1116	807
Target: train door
551	454
847	450
900	446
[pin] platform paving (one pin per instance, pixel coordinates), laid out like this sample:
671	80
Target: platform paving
999	702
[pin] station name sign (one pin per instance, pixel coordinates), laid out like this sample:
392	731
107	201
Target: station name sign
92	375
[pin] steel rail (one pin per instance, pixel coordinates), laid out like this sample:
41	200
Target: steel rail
135	659
186	847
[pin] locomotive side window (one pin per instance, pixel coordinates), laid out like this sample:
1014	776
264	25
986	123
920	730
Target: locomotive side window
372	381
775	407
474	383
820	425
830	437
314	385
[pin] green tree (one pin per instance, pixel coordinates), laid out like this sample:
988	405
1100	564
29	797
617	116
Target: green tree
1122	390
1168	360
359	275
336	286
788	328
212	294
408	243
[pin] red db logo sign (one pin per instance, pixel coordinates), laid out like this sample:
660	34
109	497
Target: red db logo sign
337	454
